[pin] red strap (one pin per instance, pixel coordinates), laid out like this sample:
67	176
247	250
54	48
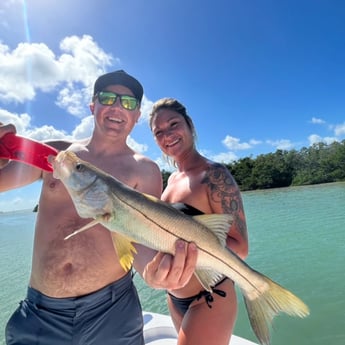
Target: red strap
26	150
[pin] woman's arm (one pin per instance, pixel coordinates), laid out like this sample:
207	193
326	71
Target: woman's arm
225	197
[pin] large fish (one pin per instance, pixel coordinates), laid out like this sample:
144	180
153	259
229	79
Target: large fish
135	217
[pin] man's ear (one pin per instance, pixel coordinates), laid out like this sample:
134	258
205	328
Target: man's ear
92	107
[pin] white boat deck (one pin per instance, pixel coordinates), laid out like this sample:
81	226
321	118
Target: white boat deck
159	330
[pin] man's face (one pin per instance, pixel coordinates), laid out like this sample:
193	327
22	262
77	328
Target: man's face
115	118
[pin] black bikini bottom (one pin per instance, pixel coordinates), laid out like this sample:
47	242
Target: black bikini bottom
182	304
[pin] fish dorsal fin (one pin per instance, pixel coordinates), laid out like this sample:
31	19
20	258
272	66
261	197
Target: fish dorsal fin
219	224
207	277
151	197
124	250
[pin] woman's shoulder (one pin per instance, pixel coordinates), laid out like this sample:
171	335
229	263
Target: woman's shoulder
215	165
217	168
218	176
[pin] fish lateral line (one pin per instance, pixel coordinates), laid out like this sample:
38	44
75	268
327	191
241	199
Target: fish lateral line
153	199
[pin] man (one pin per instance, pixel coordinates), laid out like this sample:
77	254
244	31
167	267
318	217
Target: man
78	292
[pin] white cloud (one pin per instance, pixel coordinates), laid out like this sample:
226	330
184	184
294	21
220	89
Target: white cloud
224	157
21	121
282	144
83	60
84	129
73	100
31	67
46	133
146	107
317	121
329	140
314	139
339	130
233	143
34	66
254	142
220	157
24	127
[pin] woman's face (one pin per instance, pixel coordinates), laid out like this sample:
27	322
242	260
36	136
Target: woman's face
171	132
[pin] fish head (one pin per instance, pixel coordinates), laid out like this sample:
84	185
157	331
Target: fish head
85	184
63	165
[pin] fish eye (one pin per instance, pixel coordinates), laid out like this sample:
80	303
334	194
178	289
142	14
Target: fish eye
79	167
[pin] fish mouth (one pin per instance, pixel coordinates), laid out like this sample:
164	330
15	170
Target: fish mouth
62	164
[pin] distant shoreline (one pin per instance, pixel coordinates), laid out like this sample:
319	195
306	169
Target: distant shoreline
17	211
243	192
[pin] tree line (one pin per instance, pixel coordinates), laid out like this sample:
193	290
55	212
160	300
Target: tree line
319	163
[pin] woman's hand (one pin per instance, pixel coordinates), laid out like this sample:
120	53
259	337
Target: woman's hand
172	272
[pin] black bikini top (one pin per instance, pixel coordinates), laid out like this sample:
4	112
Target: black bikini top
187	209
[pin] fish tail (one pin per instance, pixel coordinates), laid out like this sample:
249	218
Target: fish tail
266	305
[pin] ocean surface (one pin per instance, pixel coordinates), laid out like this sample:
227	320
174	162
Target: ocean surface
296	238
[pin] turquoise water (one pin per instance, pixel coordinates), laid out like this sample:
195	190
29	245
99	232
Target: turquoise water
296	238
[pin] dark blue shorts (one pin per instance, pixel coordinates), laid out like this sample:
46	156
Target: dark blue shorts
111	316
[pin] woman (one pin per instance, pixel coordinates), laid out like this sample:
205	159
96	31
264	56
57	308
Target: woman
203	186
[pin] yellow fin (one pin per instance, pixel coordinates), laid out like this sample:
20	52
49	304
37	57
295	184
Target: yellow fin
265	306
219	224
124	249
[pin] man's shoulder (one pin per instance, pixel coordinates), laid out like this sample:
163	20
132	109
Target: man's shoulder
64	144
149	178
145	162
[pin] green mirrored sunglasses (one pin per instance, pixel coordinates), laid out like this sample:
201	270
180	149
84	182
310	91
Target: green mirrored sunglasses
109	98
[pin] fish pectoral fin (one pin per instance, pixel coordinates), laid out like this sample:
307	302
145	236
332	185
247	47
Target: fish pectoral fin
207	278
219	224
124	250
85	227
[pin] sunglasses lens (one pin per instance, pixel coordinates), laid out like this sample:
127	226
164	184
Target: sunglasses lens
128	102
107	98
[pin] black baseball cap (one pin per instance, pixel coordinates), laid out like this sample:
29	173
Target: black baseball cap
119	77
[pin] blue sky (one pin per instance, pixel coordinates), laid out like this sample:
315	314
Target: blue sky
255	75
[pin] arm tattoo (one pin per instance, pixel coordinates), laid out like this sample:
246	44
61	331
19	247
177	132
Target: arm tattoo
224	190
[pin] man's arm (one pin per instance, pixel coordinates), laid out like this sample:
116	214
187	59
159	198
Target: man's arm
15	174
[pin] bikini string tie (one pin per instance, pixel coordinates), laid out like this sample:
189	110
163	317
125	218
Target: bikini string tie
208	296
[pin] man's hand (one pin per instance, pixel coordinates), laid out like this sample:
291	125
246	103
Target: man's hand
170	272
